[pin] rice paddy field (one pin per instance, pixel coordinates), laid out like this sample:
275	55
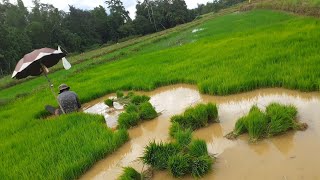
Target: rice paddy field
225	53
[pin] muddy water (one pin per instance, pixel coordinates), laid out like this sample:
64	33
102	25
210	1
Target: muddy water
294	155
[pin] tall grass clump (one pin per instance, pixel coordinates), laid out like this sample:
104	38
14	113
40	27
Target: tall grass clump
136	99
276	120
130	173
196	117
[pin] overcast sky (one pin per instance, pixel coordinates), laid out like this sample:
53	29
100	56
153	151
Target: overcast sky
130	5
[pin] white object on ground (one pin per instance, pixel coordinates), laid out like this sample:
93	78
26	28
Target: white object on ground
196	30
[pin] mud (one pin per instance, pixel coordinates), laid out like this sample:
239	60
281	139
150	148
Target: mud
290	156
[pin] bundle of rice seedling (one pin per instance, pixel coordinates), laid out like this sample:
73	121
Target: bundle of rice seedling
131	108
157	155
183	137
201	165
147	111
240	128
282	118
127	120
120	94
130	173
109	102
179	119
174	128
198	148
196	117
212	111
179	165
136	99
257	123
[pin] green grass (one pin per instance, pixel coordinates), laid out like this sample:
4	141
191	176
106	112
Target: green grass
234	53
130	173
183	137
201	165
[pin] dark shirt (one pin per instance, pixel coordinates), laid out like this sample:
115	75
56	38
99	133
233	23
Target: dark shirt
69	101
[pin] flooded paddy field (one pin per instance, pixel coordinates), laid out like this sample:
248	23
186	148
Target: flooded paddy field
293	155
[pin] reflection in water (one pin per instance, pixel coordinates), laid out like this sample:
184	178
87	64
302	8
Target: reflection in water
289	156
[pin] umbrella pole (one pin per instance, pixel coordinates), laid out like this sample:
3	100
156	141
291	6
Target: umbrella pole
51	87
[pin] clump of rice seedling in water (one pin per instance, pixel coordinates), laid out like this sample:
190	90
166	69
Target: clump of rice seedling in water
109	102
212	112
198	148
179	165
257	123
157	155
131	108
120	94
136	99
147	111
130	173
282	118
183	137
201	165
239	128
127	120
174	128
196	117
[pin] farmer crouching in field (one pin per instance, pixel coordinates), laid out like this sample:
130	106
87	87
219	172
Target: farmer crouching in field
68	100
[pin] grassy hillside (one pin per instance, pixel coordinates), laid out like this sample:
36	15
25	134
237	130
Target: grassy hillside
233	53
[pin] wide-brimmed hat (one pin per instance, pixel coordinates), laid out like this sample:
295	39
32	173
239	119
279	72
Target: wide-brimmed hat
63	87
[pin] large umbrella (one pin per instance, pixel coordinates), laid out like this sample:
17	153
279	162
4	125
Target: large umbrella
38	62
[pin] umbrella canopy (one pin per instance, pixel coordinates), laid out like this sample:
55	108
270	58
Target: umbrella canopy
30	64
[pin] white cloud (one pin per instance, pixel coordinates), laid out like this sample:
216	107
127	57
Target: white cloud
130	5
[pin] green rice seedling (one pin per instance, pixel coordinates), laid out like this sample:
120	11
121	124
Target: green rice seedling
180	119
198	148
201	165
212	113
197	116
183	137
136	99
129	95
157	155
179	164
130	173
120	94
147	111
109	102
257	123
127	120
282	118
131	108
240	128
174	128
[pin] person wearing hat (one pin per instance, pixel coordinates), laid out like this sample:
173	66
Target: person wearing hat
68	101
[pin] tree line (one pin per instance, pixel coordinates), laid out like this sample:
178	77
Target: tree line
22	30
